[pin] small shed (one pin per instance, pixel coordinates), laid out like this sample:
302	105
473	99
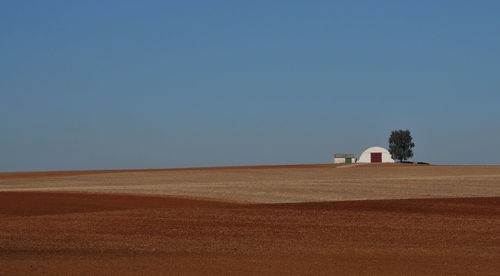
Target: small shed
343	158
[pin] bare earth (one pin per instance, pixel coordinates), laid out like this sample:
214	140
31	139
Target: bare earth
452	230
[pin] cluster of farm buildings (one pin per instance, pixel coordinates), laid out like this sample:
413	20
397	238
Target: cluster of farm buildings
370	155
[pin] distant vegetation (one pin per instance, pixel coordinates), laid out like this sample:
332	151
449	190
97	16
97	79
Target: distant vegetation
401	145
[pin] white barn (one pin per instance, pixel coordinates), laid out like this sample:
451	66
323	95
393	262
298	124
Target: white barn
375	155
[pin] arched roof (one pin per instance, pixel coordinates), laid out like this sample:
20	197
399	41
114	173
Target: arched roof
375	149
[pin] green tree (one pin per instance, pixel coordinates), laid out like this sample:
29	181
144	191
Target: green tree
401	145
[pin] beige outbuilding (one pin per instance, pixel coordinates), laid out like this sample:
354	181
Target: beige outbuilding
342	158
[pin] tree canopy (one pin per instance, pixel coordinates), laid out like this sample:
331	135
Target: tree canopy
401	145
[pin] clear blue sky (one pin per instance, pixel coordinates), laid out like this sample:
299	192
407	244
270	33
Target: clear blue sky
156	84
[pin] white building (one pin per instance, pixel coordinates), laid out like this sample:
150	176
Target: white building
344	158
375	155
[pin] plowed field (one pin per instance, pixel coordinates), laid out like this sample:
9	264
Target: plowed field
72	233
413	220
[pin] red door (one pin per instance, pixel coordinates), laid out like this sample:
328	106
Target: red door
376	157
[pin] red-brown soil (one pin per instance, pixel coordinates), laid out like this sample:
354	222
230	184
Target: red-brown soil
81	233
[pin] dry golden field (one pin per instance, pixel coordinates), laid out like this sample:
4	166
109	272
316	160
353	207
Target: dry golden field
275	184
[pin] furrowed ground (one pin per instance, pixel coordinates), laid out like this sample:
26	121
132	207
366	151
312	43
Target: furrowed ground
70	233
449	226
